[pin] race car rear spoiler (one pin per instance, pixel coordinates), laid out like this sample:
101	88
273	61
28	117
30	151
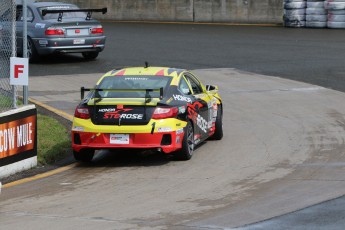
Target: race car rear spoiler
97	95
61	11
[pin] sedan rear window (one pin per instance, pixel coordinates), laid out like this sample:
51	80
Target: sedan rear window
132	86
65	15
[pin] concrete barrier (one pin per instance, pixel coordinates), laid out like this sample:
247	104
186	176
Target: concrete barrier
239	11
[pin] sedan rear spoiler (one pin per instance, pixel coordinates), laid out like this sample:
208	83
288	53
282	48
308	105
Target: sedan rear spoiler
61	11
96	90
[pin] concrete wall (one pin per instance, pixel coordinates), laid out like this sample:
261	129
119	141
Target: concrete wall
242	11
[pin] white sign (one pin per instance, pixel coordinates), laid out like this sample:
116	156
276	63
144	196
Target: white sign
19	71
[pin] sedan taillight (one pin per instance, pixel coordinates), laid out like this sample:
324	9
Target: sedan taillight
82	111
97	30
164	112
54	31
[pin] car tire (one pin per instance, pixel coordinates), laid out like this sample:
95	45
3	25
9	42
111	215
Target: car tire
32	52
84	155
218	134
188	145
90	55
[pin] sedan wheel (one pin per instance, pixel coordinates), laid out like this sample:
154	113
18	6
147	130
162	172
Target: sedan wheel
84	155
186	152
32	53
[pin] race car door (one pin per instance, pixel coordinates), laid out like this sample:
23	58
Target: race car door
201	107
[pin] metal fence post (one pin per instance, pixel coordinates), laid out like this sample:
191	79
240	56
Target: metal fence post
14	50
25	46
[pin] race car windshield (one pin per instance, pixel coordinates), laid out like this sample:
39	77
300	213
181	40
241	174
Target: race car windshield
65	14
136	84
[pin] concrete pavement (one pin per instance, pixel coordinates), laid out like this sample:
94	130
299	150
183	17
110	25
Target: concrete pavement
283	150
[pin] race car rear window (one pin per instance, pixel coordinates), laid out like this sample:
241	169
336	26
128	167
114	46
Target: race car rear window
137	85
65	14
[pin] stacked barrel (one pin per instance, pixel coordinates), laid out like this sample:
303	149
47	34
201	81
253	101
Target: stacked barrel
316	14
294	13
336	13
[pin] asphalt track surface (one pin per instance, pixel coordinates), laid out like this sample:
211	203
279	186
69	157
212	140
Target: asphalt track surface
296	163
309	55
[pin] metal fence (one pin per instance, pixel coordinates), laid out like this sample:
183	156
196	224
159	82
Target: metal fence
7	50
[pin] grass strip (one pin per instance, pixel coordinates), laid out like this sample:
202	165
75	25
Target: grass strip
53	140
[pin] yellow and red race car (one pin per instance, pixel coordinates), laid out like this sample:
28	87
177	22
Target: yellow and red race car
158	108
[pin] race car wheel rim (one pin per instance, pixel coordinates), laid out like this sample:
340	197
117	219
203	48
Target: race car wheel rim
190	139
29	53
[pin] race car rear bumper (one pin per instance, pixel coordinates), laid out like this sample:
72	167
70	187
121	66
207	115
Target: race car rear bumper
166	141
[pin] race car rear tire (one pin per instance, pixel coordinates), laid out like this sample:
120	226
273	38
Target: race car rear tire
186	152
32	52
90	55
218	134
84	155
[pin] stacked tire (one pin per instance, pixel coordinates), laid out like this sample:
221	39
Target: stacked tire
294	13
336	13
316	14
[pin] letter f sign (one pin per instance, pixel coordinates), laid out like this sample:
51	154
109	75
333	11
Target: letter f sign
17	70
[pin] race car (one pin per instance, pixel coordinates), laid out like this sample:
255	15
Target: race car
156	108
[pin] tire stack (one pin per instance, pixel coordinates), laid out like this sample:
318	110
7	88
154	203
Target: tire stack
316	14
336	13
294	13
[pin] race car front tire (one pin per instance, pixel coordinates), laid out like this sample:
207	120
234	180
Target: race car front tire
218	134
186	152
84	155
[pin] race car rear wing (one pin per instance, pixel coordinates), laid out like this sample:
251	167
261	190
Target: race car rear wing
97	95
61	11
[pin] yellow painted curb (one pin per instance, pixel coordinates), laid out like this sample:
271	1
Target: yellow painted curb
39	176
56	111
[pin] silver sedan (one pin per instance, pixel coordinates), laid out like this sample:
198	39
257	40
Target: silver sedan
55	27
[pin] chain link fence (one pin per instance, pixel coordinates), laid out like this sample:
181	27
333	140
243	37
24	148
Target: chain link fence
7	50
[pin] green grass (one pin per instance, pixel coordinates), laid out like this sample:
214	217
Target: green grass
53	140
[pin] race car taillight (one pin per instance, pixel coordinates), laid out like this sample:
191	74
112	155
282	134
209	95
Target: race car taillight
97	30
165	112
82	112
54	31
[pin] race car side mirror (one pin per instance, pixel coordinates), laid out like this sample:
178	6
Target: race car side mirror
211	87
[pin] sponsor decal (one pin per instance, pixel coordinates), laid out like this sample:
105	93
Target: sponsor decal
112	113
107	110
209	104
182	109
136	79
178	124
78	128
116	115
202	123
178	140
40	25
179	131
182	98
197	138
164	129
